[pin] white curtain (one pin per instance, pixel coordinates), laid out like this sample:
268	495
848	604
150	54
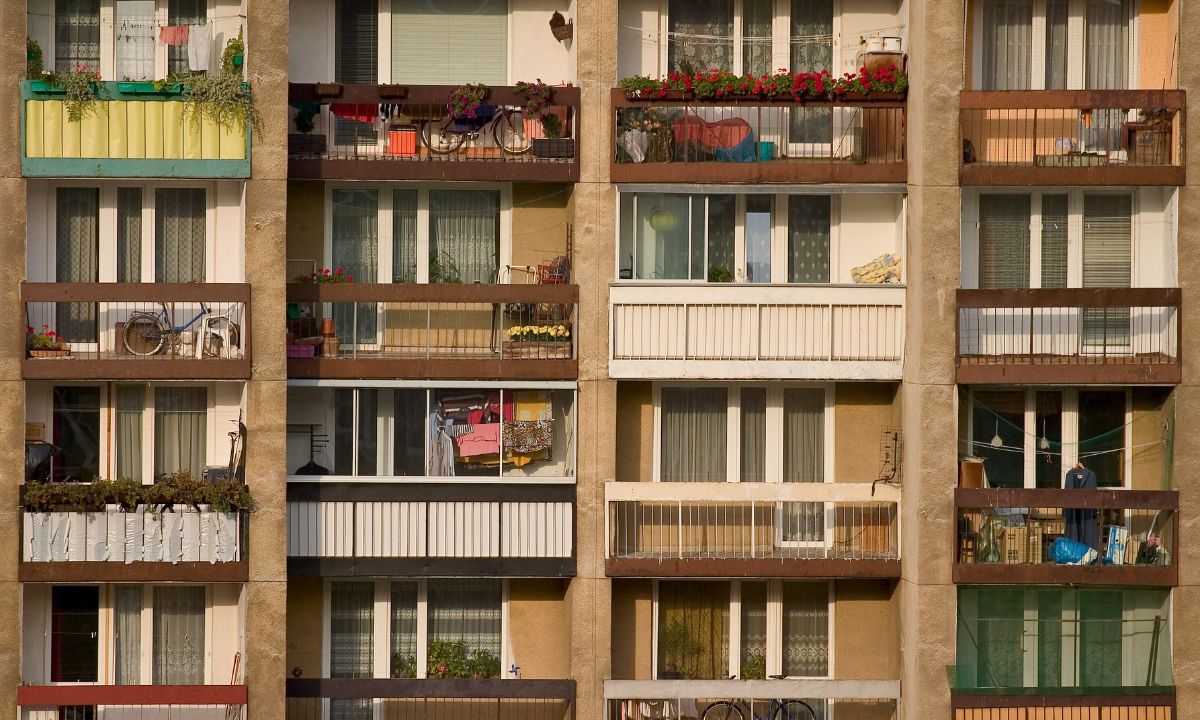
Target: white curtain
130	404
134	39
128	635
805	629
404	236
351	642
76	34
468	610
404	630
464	236
803	460
1106	44
178	635
1007	44
179	234
180	428
77	258
355	246
129	234
694	434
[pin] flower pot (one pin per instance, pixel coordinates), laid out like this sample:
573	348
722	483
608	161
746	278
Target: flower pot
328	89
55	354
306	144
238	60
147	88
553	147
327	329
393	92
330	347
41	86
538	349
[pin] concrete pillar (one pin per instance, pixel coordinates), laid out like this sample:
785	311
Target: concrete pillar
266	393
929	394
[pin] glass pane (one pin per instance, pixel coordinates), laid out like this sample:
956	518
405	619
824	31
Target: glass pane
721	220
466	437
404	236
754	631
76	259
184	12
180	431
134	38
1106	44
356	55
465	628
754	434
1050	639
662	247
693	630
1004	241
131	400
1056	44
1107	262
1049	469
367	432
404	630
129	233
351	642
355	249
1054	241
1000	631
127	635
179	235
343	431
1102	435
1100	641
179	635
408	441
700	35
758	238
809	218
76	429
811	49
698	230
805	629
756	37
998	436
1007	44
803	461
464	236
74	632
695	431
538	440
76	35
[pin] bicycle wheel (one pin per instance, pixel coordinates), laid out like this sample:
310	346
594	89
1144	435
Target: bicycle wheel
144	335
439	138
509	132
723	710
794	710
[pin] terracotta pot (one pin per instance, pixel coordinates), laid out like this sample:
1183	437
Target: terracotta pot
327	328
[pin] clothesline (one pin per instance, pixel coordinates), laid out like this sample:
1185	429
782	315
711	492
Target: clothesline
1089	453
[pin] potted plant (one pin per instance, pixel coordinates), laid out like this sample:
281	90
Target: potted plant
719	274
447	659
302	142
45	344
465	100
234	55
403	666
221	97
539	109
680	651
34	69
81	87
483	664
561	29
538	341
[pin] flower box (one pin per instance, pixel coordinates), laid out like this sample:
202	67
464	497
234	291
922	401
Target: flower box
328	89
50	354
663	95
553	147
41	86
302	351
147	88
393	92
538	349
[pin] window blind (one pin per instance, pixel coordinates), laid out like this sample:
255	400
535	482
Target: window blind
448	42
1004	241
1107	240
357	42
1054	241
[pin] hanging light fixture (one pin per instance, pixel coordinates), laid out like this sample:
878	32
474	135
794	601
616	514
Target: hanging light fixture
1044	442
996	441
663	219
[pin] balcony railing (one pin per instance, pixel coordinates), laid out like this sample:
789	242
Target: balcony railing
342	526
396	699
452	331
420	142
148	331
713	529
714	330
1007	536
135	131
1069	335
1157	706
151	702
677	699
758	140
1072	137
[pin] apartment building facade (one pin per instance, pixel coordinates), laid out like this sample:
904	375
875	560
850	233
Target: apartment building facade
867	404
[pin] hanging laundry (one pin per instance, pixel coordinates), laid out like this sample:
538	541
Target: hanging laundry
356	112
484	440
173	35
528	436
199	46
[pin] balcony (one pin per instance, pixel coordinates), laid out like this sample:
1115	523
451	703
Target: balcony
138	331
1070	336
393	699
754	141
135	132
645	699
1072	137
1006	536
342	526
151	702
418	146
719	331
1013	707
827	530
452	331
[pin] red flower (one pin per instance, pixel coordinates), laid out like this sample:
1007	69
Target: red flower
28	329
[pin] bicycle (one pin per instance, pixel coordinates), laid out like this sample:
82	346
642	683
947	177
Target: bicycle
779	709
149	333
447	134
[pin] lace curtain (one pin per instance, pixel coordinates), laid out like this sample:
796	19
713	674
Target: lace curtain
754	631
77	258
700	34
355	242
468	610
403	658
404	236
76	34
464	236
180	428
134	39
805	629
178	635
757	17
693	630
694	434
127	640
179	235
1007	44
351	642
811	50
129	234
809	218
183	12
130	403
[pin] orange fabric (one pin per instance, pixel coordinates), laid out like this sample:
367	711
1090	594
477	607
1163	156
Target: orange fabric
720	134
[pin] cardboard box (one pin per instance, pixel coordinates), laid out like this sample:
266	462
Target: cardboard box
970	473
35	432
1021	545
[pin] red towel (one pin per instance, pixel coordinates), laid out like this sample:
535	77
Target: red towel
350	111
173	35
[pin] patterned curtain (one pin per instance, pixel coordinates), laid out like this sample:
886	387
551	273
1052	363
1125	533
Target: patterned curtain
128	635
129	234
467	610
77	258
999	633
753	665
180	428
404	236
811	42
754	434
351	642
76	34
757	16
803	460
693	630
356	250
179	235
178	635
130	404
805	629
809	219
694	434
464	236
134	39
721	222
403	659
700	34
183	12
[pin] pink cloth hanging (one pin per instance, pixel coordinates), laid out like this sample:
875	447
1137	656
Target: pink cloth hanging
482	440
173	35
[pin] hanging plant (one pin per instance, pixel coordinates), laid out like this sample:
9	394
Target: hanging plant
234	55
34	68
80	86
221	98
464	100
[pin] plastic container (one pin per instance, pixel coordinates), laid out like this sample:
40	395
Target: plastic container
891	44
874	44
402	141
766	151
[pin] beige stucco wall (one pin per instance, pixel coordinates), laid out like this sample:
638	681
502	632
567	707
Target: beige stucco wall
632	625
635	431
540	219
306	221
538	622
305	603
1153	423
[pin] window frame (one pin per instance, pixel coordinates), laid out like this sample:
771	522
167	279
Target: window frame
774	659
381	618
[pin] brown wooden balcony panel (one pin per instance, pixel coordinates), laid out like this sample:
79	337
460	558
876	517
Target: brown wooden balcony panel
432	368
136	368
434	169
418	292
372	567
774	171
1069	374
751	567
1051	574
134	695
986	701
352	688
137	572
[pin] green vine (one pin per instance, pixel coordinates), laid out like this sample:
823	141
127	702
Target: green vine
34	69
221	98
178	489
81	86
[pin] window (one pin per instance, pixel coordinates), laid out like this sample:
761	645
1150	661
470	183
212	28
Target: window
426	42
76	429
183	12
180	430
179	647
74	633
709	630
752	433
437	236
179	235
1063	638
1030	438
432	628
1025	44
77	257
740	35
135	39
414	432
356	60
727	238
76	34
